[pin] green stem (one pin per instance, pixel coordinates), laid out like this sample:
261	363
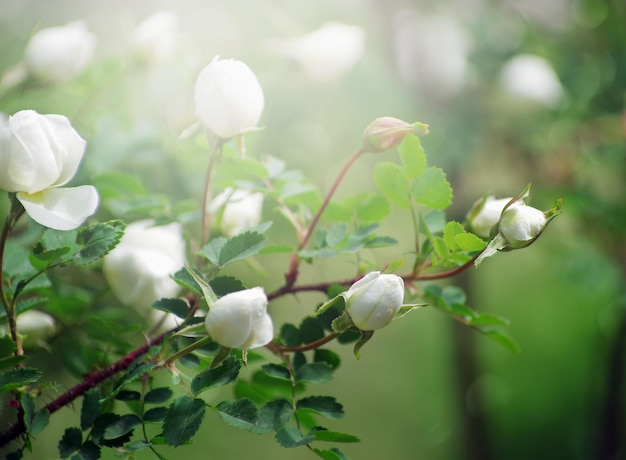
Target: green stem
215	149
188	349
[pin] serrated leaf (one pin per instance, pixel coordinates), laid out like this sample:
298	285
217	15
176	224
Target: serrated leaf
240	413
90	408
332	454
88	451
97	241
469	242
70	442
314	373
183	278
432	189
35	421
390	180
323	405
42	259
374	210
223	285
290	335
240	247
122	426
321	355
290	436
176	306
182	420
7	347
223	374
412	156
450	231
277	371
158	395
273	416
128	395
334	436
213	249
15	378
156	414
133	374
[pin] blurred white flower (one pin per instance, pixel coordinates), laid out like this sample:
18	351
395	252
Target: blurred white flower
485	213
531	77
240	320
58	54
431	53
229	98
242	209
326	53
374	300
156	38
34	326
138	269
39	154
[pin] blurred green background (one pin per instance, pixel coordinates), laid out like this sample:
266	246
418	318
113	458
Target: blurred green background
425	388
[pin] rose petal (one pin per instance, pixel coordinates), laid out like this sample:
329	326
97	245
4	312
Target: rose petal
61	208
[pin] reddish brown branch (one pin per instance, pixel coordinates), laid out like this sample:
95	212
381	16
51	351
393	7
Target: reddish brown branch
90	381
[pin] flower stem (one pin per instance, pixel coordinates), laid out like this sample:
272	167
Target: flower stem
215	150
292	273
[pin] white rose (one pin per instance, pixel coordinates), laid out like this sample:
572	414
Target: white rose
229	98
520	225
240	320
326	53
531	77
138	269
39	154
58	54
156	38
374	300
242	209
485	213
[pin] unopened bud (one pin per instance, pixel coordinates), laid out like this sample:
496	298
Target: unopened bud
388	132
520	225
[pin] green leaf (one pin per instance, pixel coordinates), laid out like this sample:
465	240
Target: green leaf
98	240
332	454
469	242
42	259
213	249
123	425
223	285
70	442
88	451
90	409
223	374
156	414
336	234
240	413
390	180
310	330
334	436
207	291
240	247
290	436
277	371
35	421
177	306
134	373
450	231
100	425
273	416
412	157
432	189
7	347
314	373
502	338
15	378
158	395
323	405
290	335
182	420
374	209
184	278
329	357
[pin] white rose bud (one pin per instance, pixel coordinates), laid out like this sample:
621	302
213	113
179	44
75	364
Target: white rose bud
240	320
388	132
229	98
138	269
58	54
34	326
532	77
520	224
156	38
485	213
39	154
374	300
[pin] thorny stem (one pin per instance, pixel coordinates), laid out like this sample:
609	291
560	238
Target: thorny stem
89	381
292	274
